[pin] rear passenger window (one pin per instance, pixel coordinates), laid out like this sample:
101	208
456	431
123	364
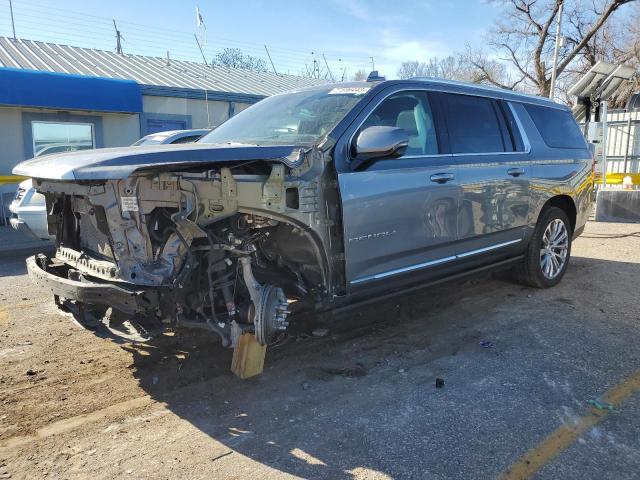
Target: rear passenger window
557	127
473	124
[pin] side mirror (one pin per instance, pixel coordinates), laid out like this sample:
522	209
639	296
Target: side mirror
375	142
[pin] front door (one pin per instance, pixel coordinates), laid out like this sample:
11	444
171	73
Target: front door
400	214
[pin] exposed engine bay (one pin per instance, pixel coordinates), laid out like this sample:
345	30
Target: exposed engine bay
234	249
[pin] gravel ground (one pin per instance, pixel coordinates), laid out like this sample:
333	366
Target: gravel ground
519	365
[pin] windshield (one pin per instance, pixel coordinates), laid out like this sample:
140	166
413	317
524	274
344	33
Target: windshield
300	118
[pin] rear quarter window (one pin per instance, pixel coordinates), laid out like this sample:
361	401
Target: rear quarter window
557	127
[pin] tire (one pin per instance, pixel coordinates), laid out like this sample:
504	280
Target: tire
549	250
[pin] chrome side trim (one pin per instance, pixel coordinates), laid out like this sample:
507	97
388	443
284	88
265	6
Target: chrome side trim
410	268
432	263
487	249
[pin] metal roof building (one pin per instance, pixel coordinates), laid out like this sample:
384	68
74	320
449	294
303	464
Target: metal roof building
64	97
147	71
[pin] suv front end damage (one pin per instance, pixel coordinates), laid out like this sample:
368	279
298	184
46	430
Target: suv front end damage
233	233
233	248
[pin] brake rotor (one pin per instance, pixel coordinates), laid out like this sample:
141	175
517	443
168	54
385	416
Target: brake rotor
270	313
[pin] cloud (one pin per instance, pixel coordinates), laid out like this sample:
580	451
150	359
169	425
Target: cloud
396	49
354	8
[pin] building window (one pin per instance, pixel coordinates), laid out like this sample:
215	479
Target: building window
56	137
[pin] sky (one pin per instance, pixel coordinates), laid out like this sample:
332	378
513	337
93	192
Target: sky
347	32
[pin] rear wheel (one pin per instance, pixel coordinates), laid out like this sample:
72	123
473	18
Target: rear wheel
547	255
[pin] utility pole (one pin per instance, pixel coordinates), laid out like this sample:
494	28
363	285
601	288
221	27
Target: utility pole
118	39
373	64
13	25
328	69
269	55
552	90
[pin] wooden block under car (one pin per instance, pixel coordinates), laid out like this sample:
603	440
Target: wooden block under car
248	356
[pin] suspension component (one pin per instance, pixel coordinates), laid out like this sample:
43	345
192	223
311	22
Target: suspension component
269	307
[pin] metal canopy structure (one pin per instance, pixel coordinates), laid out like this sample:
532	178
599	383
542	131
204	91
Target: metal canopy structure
599	84
592	93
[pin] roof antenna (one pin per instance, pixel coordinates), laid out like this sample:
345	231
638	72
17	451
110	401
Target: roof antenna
328	69
13	25
168	59
206	97
119	37
269	55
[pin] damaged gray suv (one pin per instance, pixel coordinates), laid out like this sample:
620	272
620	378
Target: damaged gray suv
313	200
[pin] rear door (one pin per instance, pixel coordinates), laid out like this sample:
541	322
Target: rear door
400	214
493	173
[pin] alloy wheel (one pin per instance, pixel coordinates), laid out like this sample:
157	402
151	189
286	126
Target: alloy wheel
554	249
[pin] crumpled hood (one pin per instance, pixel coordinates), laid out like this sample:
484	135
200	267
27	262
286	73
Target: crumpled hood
118	163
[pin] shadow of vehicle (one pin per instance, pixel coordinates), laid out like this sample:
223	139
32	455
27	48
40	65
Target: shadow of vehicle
12	265
361	399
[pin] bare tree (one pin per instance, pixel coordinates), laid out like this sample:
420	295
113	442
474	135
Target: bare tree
629	54
414	68
451	67
524	37
236	58
616	42
315	69
359	76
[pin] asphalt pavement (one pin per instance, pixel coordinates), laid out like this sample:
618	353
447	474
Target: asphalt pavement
533	384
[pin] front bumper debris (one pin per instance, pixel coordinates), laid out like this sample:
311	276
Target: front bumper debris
129	301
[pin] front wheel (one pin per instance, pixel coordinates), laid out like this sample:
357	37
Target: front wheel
547	255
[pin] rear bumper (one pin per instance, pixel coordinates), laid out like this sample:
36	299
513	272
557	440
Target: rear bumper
124	299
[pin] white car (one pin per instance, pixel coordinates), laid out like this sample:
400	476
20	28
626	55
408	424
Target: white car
172	136
29	211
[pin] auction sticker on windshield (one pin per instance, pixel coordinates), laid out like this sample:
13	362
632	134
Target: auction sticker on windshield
349	91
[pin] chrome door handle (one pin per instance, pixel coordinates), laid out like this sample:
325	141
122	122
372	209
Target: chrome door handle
515	172
442	177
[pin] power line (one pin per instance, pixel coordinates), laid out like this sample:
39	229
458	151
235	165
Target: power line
44	23
150	29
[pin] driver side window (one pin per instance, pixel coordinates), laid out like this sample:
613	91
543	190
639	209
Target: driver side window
410	111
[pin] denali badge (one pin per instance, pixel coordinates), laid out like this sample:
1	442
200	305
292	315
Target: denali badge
371	235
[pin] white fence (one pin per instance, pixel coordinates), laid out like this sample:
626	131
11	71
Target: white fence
623	141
